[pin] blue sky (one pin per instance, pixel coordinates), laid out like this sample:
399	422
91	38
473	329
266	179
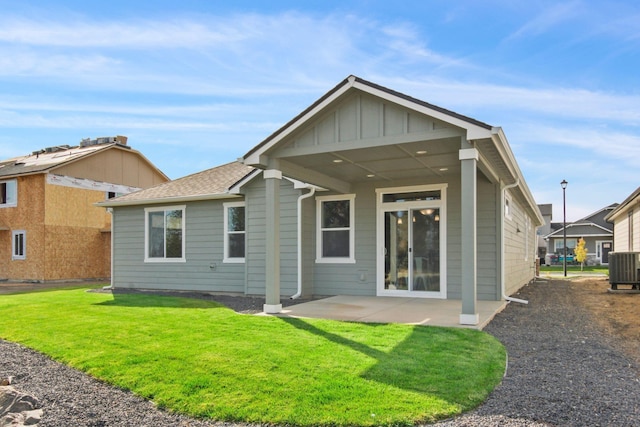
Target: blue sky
195	84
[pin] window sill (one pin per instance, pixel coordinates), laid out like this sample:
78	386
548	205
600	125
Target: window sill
335	261
165	260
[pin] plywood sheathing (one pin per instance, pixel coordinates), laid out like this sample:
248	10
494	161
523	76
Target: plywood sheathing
28	215
74	253
75	243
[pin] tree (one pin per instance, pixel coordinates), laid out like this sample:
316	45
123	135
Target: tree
581	252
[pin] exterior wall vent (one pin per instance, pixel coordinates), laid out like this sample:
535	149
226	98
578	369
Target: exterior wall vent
624	269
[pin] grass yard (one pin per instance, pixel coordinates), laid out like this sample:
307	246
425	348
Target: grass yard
202	359
575	268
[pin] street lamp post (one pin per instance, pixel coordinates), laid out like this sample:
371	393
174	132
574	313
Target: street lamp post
563	184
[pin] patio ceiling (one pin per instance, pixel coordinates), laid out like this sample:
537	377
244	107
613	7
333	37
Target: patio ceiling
387	162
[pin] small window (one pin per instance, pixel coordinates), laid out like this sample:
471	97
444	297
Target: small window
234	232
335	235
507	207
113	195
8	193
19	244
165	234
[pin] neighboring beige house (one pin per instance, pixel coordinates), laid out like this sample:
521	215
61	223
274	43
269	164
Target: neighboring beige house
626	224
49	227
366	192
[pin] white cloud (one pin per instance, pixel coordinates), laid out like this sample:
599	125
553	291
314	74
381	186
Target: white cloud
548	18
17	62
142	34
556	102
601	143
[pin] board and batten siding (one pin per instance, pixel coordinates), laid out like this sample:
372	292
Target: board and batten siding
256	234
204	250
358	118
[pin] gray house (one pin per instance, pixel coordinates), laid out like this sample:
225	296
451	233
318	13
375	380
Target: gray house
366	192
594	229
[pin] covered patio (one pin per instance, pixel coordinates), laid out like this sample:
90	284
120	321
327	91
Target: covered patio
411	311
418	196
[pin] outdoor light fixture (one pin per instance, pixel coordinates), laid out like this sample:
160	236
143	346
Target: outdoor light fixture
563	184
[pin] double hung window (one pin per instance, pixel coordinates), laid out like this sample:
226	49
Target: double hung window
18	244
335	232
165	234
234	232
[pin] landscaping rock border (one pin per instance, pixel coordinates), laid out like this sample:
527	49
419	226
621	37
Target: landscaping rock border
17	409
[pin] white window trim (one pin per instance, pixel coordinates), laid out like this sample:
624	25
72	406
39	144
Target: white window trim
382	207
352	217
147	258
527	231
13	245
560	240
508	206
227	258
15	202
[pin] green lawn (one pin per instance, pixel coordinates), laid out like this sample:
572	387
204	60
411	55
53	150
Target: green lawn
205	360
575	268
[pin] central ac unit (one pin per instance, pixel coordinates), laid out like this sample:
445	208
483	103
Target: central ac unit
624	269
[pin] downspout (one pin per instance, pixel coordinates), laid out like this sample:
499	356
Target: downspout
502	273
300	199
111	268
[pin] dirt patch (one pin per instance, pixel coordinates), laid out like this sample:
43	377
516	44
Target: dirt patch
618	314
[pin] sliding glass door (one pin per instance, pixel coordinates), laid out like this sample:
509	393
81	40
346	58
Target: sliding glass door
412	243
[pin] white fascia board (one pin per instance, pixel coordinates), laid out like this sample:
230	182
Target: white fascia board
255	157
558	232
236	188
297	185
164	200
502	145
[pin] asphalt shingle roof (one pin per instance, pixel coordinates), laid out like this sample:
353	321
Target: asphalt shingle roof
214	181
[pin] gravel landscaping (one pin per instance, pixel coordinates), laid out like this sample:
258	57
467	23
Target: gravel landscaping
563	370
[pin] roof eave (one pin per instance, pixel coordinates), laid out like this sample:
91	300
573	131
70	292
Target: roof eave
502	145
475	128
166	200
622	207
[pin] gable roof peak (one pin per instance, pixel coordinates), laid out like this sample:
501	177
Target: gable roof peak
353	82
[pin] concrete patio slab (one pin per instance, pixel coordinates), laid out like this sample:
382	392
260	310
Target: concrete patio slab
412	311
